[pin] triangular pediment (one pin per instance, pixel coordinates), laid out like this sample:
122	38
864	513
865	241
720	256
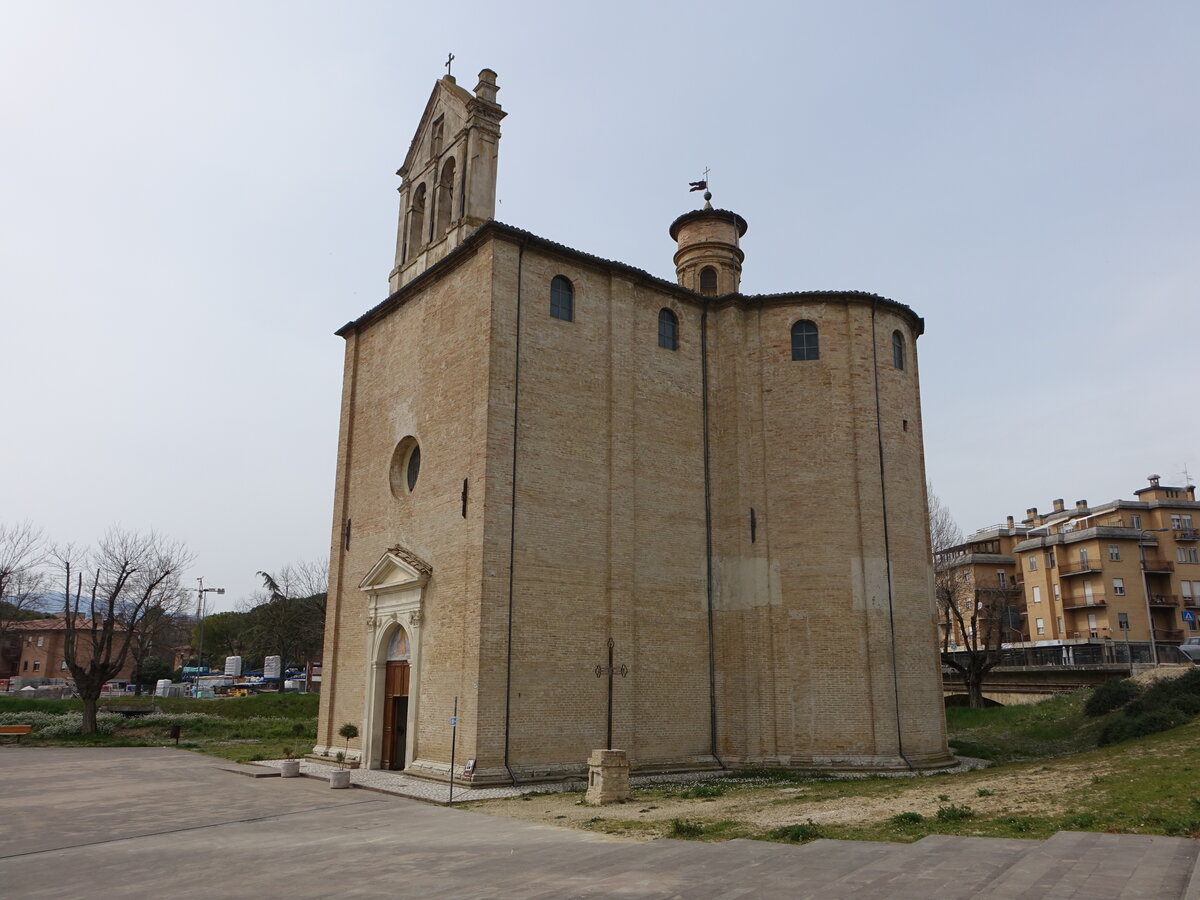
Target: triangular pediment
447	100
395	570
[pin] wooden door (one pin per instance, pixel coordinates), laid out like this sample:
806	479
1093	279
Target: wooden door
395	715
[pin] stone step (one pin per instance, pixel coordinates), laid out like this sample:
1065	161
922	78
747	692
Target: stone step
1099	867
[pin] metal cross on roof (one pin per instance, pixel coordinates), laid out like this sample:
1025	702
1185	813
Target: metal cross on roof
449	59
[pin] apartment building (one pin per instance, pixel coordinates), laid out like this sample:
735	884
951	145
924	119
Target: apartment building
981	578
1125	570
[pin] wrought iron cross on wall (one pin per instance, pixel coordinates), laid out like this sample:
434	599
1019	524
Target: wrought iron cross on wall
610	670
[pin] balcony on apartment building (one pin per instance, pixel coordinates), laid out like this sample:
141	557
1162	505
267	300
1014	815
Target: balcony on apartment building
1084	602
1167	634
1164	600
1187	535
1068	567
1157	564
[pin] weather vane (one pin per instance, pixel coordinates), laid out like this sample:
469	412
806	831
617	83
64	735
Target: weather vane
702	184
449	59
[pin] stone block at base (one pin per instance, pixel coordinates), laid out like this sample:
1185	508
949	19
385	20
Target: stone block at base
608	777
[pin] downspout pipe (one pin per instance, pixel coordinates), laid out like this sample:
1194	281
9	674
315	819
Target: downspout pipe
512	528
708	541
887	547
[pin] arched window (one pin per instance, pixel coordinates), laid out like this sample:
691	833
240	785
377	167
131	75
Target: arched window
805	342
708	280
668	329
445	196
416	221
897	350
562	299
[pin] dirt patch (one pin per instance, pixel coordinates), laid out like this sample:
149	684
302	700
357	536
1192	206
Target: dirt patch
1033	792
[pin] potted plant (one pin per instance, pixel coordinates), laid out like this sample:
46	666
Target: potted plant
291	765
340	777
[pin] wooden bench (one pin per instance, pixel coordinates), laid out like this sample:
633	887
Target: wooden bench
15	730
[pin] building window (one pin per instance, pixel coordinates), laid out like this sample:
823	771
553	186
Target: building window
1123	621
708	280
1083	560
1119	587
1057	595
62	665
1041	625
416	221
897	350
1187	523
1135	521
1001	578
562	299
668	329
1185	588
1032	563
435	136
37	665
25	666
405	467
1037	594
1187	554
1114	552
1093	630
1049	559
1176	522
1060	625
41	641
805	345
445	196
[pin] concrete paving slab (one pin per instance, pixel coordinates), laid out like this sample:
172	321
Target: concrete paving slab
144	822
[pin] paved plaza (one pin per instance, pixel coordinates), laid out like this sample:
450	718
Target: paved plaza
144	822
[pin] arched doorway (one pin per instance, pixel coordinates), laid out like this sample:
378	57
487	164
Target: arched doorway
395	702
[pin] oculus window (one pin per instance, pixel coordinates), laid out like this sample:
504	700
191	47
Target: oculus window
405	467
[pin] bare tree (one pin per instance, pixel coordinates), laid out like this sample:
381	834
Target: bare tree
108	594
973	615
944	532
163	628
22	579
289	621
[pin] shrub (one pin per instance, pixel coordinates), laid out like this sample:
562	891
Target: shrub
1082	821
1109	696
1126	727
907	818
702	791
800	833
682	828
1188	704
954	813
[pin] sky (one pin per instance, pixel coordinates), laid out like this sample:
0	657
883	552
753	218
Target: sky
194	197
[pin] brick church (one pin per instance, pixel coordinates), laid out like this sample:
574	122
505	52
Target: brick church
589	507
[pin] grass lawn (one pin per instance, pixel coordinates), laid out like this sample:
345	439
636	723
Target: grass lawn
243	729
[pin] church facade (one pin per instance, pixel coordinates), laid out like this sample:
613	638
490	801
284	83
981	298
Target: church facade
579	506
